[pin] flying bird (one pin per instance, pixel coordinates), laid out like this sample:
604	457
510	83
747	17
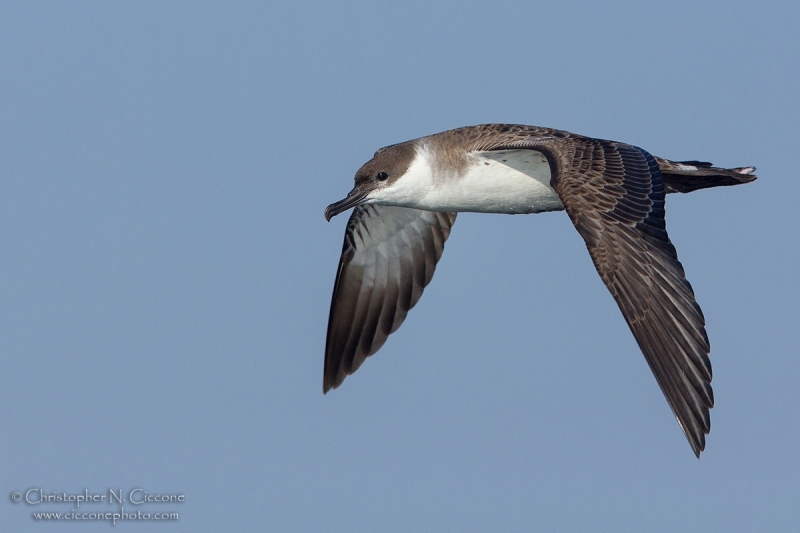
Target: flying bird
405	202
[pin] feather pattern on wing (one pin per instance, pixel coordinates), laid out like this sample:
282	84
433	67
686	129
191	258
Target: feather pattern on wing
614	194
388	258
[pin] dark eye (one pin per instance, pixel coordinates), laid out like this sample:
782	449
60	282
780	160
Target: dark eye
382	176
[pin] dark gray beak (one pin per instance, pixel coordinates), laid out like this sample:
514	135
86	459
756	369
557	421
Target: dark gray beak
354	198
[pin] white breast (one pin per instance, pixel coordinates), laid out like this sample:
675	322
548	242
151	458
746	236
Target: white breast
508	181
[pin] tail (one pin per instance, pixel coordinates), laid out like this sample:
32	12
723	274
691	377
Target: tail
688	176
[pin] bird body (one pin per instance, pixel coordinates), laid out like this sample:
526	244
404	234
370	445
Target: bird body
406	199
504	181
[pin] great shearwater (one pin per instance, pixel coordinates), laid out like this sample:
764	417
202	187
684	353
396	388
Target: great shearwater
406	199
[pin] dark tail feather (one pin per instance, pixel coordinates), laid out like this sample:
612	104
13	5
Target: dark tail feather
688	176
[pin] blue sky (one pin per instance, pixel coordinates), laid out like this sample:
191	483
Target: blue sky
167	270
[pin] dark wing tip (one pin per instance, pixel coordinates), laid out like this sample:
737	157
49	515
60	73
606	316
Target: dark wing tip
332	376
697	443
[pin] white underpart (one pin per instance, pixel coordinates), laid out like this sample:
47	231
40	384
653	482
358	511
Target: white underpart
508	181
686	167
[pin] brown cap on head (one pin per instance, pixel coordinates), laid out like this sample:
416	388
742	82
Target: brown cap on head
386	166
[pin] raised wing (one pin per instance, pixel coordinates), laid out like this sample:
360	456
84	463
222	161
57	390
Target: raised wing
388	258
614	194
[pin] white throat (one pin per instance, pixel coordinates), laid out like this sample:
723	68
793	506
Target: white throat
507	181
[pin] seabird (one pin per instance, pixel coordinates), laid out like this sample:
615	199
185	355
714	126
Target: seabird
406	199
